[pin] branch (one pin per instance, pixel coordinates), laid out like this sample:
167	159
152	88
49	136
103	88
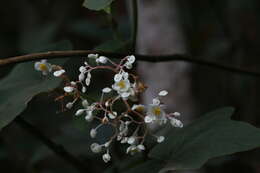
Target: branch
58	149
147	58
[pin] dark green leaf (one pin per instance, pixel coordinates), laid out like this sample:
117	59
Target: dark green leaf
97	4
212	135
23	82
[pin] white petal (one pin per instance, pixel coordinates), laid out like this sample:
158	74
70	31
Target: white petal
131	140
82	69
83	89
176	123
85	103
148	119
93	56
106	90
111	116
95	148
131	59
177	114
68	89
81	77
87	81
93	133
141	147
59	73
79	112
125	94
156	101
160	139
106	157
117	77
69	105
163	93
102	59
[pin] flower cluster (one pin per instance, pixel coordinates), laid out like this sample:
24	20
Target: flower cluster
131	126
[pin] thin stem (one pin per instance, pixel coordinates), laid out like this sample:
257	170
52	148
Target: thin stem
148	58
56	148
134	23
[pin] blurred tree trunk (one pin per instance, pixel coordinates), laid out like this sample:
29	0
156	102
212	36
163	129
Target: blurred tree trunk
160	32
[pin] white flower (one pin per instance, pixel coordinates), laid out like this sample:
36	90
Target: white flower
87	81
163	93
102	59
68	89
128	65
160	139
176	114
81	77
83	89
80	112
131	140
89	116
106	157
131	59
43	66
85	103
59	73
149	119
94	56
176	123
106	90
112	115
123	88
95	148
118	77
69	105
93	133
140	147
156	101
82	69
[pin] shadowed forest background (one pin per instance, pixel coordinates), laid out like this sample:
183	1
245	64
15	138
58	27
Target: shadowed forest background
225	32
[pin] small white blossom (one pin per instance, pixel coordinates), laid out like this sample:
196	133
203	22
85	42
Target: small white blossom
106	157
131	59
140	147
59	73
94	56
131	140
83	89
69	105
85	103
68	89
102	59
87	81
138	108
43	66
163	93
93	133
176	114
160	139
95	148
106	90
156	101
81	77
80	112
82	69
176	123
118	77
89	116
112	115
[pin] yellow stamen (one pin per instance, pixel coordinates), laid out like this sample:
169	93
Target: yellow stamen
140	109
157	111
43	67
121	84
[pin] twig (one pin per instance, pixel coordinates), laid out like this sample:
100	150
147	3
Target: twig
148	58
58	149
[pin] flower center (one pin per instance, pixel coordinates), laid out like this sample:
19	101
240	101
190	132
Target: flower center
121	84
140	109
43	67
157	111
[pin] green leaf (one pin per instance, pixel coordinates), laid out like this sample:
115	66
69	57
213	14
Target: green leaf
22	84
212	135
97	4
